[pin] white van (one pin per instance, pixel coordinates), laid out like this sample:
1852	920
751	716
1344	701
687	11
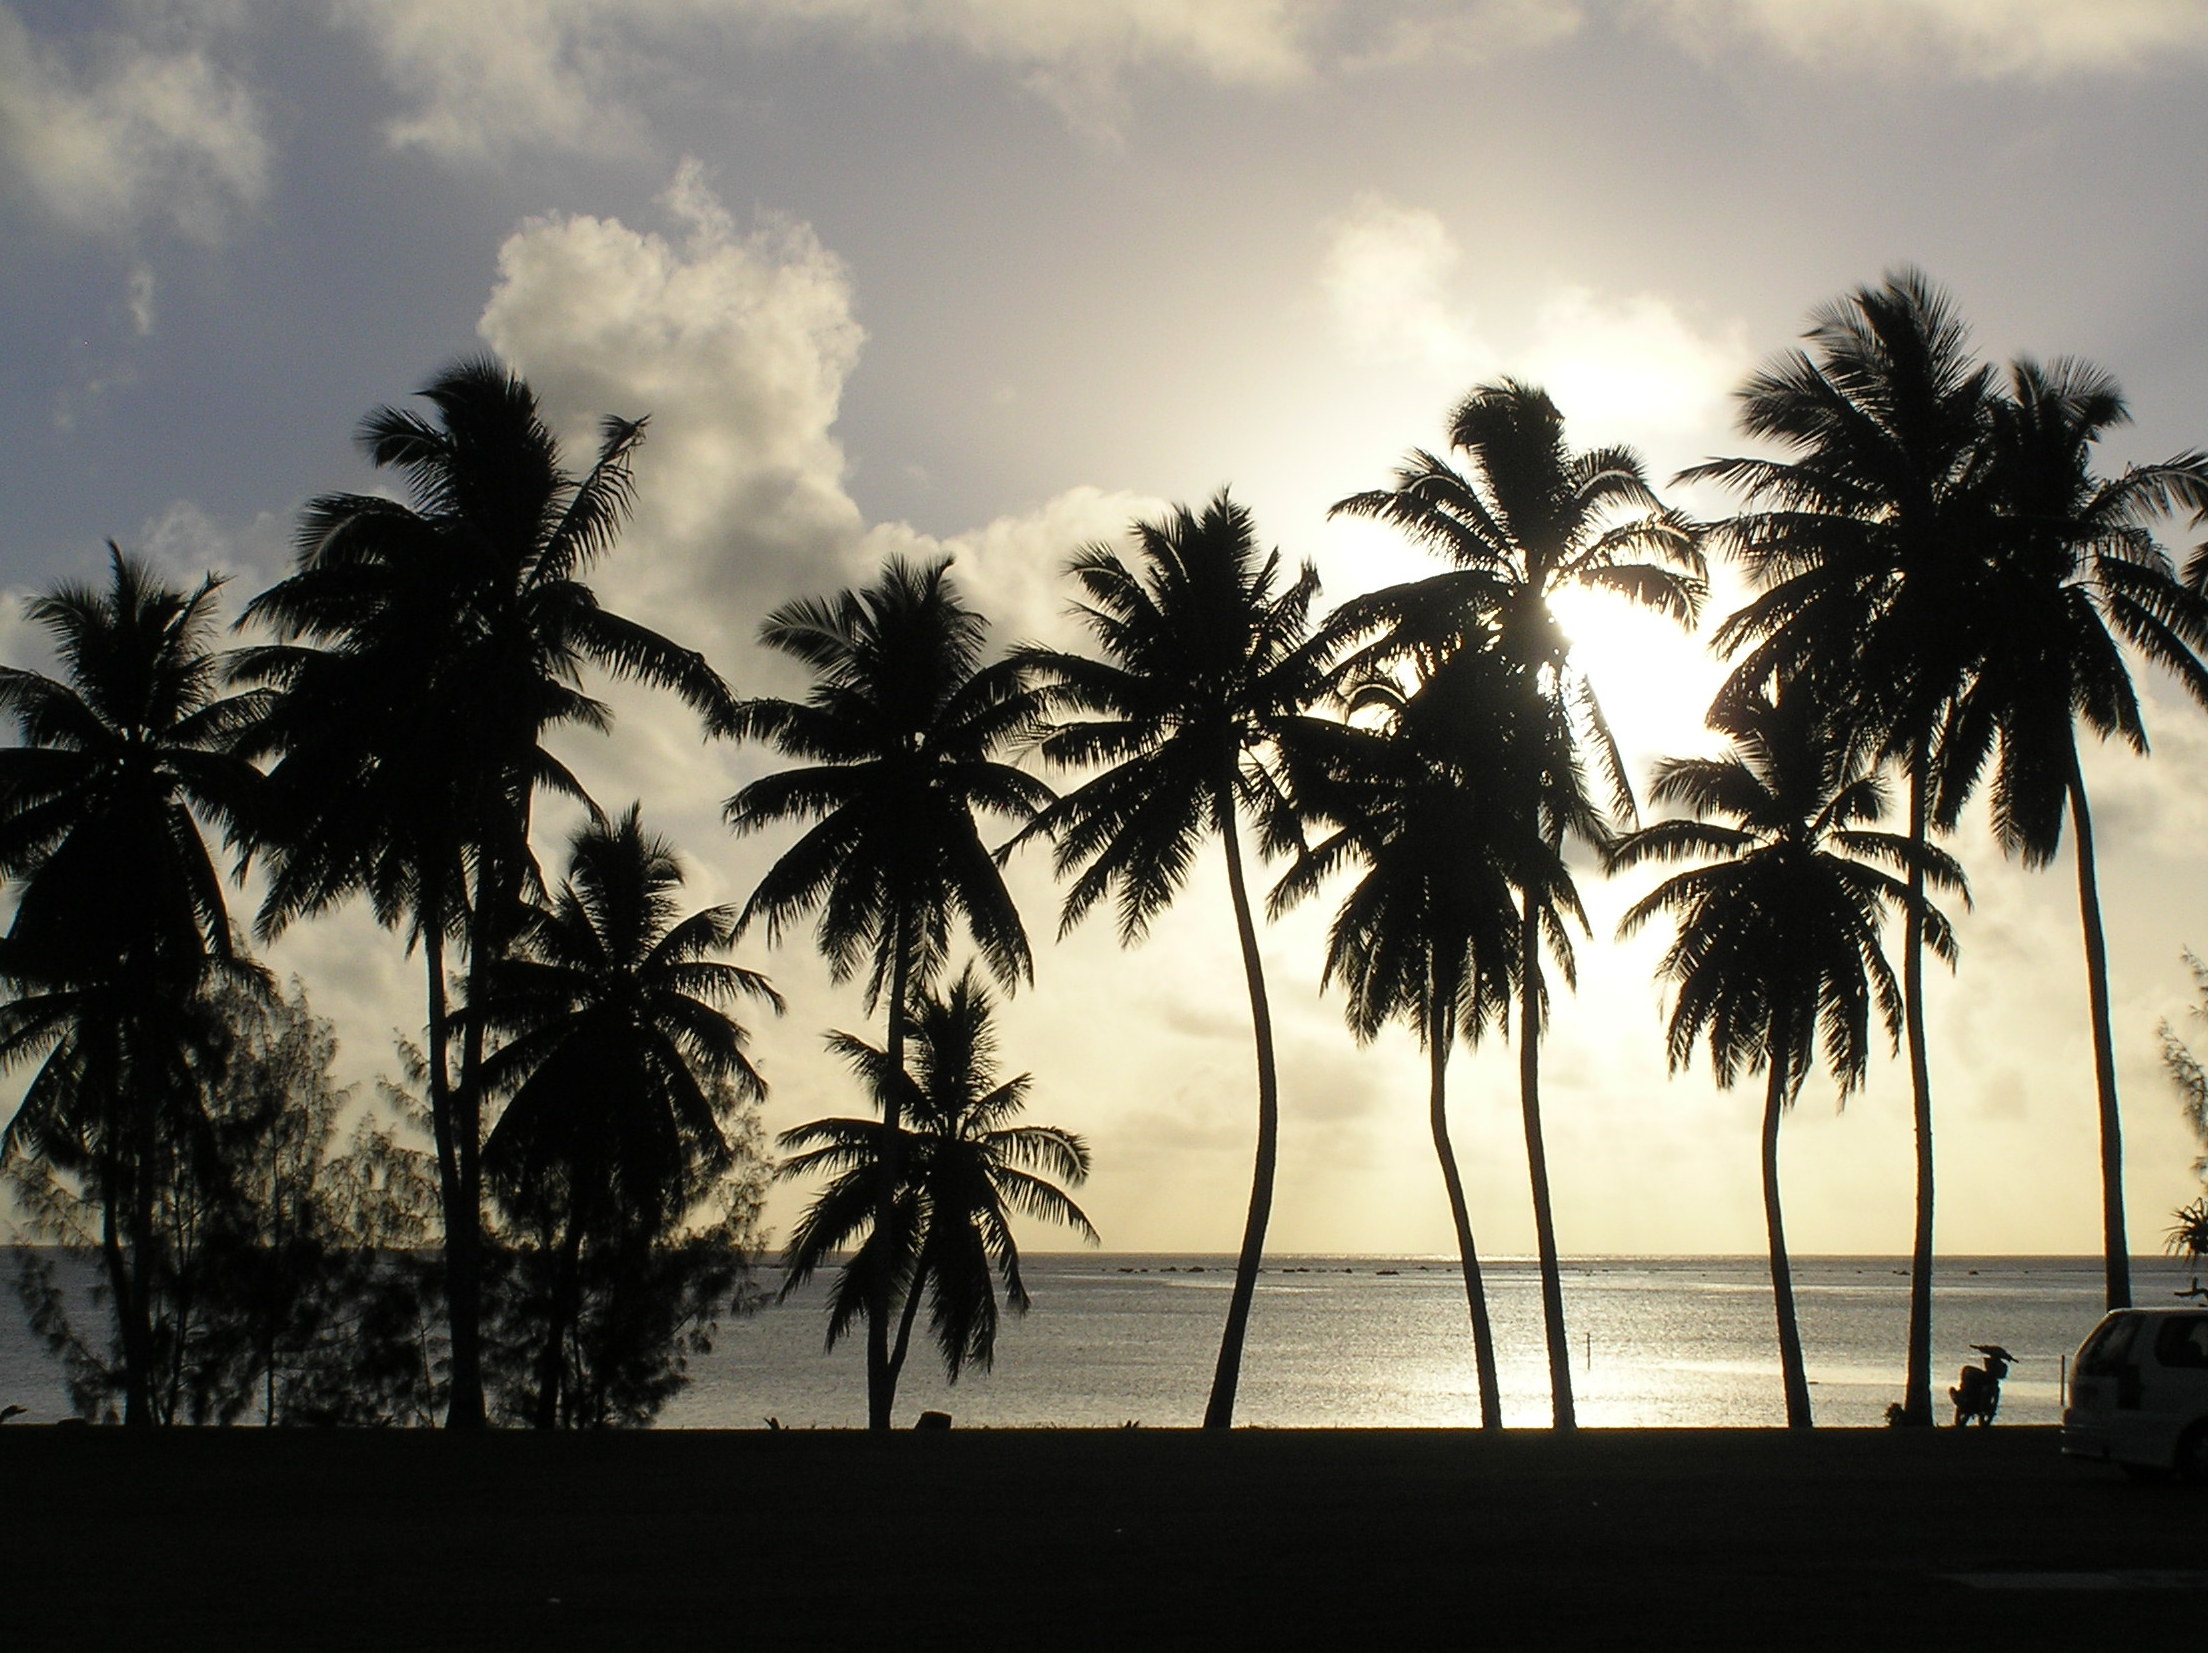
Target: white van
2139	1393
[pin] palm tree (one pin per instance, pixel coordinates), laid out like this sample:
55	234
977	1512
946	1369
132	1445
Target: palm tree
1532	518
2076	573
120	916
1205	673
619	1060
1778	926
1427	804
901	733
1868	542
963	1172
427	648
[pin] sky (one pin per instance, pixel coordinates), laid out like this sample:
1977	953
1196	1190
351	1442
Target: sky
995	278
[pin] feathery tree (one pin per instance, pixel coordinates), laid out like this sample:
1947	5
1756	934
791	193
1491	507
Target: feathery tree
1531	518
1205	672
120	918
1867	543
900	737
1430	804
427	649
1777	947
2075	574
2188	1232
964	1170
619	1059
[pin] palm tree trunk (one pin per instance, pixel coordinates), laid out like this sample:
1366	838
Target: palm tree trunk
1916	1398
1792	1372
1562	1413
464	1215
1219	1411
2115	1243
462	1258
881	1376
1439	1037
904	1326
130	1307
567	1291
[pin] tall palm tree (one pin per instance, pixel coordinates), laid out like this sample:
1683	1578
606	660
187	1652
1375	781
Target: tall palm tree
619	1060
1531	518
1205	672
2075	575
426	650
1428	804
901	734
120	916
964	1170
1779	924
1868	543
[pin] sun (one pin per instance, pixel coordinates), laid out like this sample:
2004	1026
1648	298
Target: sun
1654	680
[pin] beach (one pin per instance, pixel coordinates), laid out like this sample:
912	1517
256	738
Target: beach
1074	1539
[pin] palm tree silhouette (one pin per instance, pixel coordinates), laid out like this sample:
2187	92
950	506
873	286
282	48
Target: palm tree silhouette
1206	671
1778	926
1868	543
120	916
2075	574
619	1058
1430	804
426	650
1531	519
901	733
963	1171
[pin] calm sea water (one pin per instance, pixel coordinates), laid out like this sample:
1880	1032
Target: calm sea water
1374	1342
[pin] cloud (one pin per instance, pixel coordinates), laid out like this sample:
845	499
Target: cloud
1386	276
737	345
1988	39
132	129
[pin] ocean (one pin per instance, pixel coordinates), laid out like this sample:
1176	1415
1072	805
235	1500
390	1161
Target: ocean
1384	1342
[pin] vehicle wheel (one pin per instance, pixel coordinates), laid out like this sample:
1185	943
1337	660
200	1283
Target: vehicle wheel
2145	1474
2191	1457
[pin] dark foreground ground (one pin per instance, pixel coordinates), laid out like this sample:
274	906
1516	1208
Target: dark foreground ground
1106	1539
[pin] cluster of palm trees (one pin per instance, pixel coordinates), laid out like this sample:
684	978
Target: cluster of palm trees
1943	591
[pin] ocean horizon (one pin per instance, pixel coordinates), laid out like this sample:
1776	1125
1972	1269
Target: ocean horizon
1345	1340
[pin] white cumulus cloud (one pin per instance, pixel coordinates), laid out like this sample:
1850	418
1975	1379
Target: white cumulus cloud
1990	39
132	129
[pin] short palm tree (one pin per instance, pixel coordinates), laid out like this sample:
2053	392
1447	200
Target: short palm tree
1867	543
1778	940
1204	674
1425	802
1529	519
964	1170
619	1060
2076	574
426	649
900	737
120	916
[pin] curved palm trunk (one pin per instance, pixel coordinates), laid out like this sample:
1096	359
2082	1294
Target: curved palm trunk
1219	1411
1562	1413
905	1319
1438	1040
1793	1374
881	1372
2115	1243
1916	1399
